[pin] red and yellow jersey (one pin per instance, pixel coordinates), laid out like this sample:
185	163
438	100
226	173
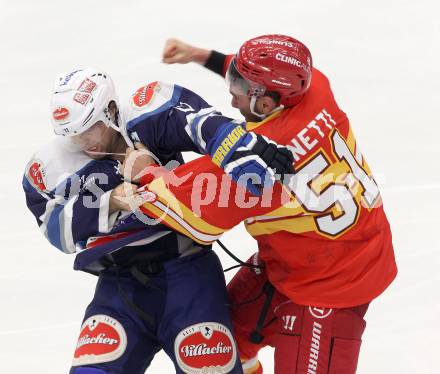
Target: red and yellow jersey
323	236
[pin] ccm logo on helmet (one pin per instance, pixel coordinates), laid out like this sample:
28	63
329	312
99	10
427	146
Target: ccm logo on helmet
205	348
292	61
60	114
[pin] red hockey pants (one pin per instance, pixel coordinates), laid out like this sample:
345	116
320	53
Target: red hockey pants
307	339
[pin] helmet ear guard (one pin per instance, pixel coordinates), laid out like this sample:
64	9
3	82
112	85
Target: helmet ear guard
259	115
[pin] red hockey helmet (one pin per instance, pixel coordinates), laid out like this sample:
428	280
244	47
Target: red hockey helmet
278	63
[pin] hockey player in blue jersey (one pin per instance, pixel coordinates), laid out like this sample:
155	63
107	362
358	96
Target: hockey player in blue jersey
156	289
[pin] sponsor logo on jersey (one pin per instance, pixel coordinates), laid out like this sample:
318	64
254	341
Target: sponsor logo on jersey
143	96
87	86
36	174
205	348
102	339
82	98
60	114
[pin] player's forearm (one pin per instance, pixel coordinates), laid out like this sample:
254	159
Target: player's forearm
200	55
122	198
178	52
238	152
218	62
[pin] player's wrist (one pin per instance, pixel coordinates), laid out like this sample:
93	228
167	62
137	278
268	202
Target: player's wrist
216	62
200	55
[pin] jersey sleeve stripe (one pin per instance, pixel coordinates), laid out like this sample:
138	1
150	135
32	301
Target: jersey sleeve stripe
180	224
66	236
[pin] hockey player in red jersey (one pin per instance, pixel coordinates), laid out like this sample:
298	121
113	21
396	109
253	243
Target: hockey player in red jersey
326	252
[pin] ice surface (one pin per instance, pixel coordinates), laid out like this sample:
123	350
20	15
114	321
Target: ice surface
383	60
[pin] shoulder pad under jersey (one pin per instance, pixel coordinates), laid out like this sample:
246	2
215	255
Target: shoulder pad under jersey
49	166
149	100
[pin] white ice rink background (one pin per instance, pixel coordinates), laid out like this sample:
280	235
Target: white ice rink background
382	58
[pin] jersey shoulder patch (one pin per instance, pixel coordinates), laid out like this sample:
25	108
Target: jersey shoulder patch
152	96
36	174
51	164
148	100
144	95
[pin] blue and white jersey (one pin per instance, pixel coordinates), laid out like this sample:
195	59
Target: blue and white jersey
168	117
68	192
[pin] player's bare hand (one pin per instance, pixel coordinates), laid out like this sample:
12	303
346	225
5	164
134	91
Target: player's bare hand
136	163
178	52
125	197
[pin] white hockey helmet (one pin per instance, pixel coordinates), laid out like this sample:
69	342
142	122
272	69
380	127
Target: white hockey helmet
80	99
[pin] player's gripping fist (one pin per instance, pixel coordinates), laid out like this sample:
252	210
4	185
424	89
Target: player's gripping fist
136	163
125	197
178	52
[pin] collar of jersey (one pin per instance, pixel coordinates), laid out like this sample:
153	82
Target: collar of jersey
250	126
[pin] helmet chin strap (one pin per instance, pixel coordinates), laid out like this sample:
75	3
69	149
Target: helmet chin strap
261	116
113	126
110	123
116	126
121	129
